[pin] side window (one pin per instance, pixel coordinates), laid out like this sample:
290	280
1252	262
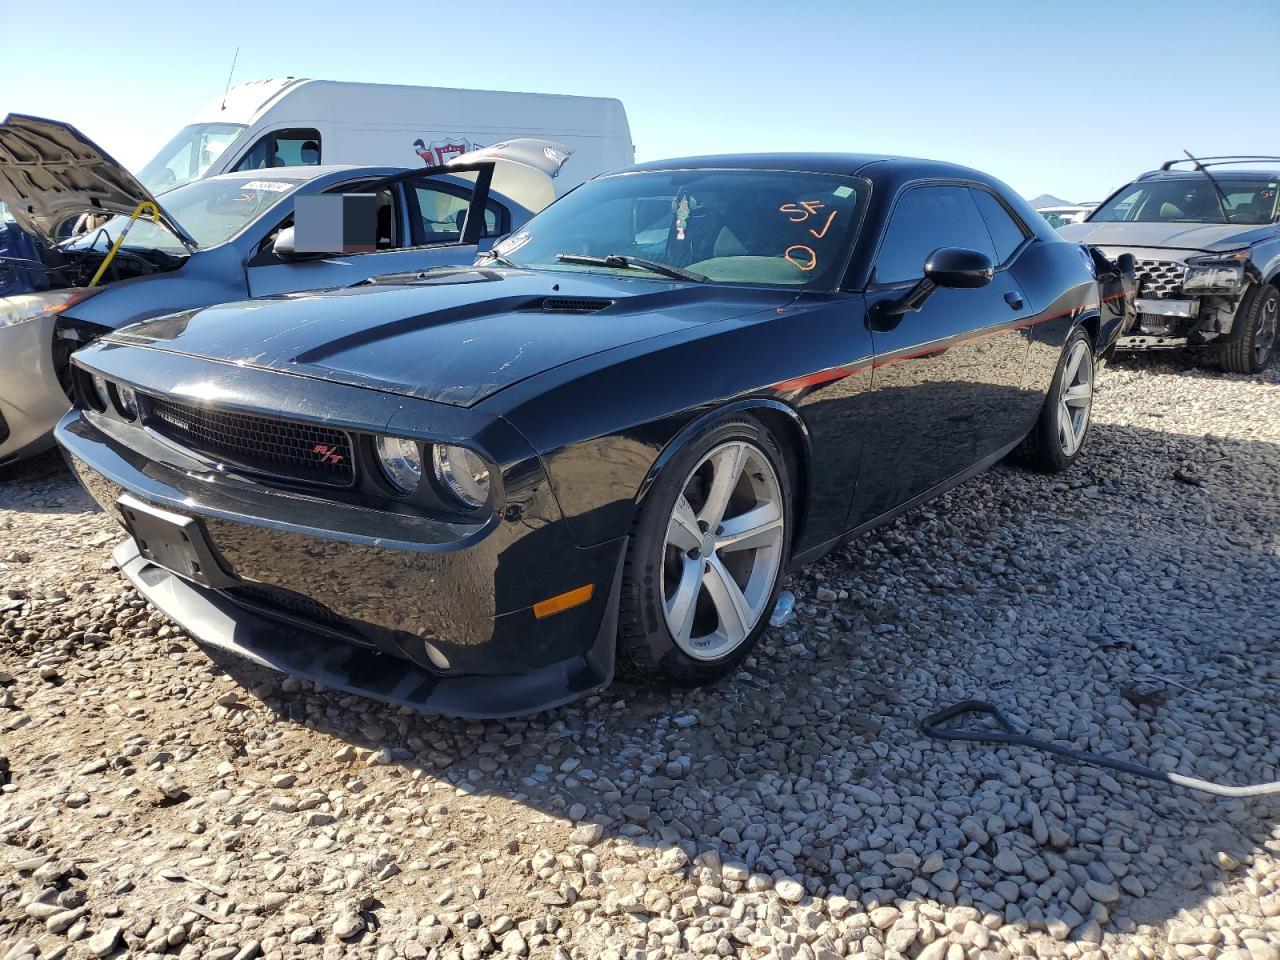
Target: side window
924	219
442	212
1006	233
283	148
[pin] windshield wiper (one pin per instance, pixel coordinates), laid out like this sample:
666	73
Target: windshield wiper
638	263
1222	197
499	258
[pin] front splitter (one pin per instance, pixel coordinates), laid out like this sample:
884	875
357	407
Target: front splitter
216	621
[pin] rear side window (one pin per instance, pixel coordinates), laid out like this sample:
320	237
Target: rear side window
442	213
283	148
1006	233
924	219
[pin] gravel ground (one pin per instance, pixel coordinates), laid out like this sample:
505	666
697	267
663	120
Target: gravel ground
158	802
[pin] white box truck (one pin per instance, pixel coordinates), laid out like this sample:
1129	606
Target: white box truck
296	122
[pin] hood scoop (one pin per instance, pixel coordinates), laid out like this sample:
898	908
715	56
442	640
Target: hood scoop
574	304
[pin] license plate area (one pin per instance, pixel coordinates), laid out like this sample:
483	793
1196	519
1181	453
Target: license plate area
1168	308
177	543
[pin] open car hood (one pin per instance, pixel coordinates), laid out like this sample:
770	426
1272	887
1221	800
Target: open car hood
524	169
50	171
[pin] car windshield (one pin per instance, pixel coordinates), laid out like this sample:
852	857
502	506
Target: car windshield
1193	200
212	211
188	155
727	226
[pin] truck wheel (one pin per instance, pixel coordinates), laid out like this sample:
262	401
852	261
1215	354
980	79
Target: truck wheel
1258	316
1060	430
707	556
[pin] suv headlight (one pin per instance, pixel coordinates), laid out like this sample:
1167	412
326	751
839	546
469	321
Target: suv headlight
1216	274
29	306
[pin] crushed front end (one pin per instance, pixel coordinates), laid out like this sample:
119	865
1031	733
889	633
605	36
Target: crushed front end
1185	299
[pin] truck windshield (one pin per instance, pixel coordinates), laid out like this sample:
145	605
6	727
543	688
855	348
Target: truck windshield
212	211
188	155
753	227
1192	200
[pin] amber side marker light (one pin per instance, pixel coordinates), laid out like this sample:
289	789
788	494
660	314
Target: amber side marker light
563	601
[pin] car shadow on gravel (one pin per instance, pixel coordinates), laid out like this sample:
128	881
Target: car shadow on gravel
1121	608
43	484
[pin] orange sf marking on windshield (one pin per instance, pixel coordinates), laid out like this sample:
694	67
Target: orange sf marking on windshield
825	227
801	212
805	263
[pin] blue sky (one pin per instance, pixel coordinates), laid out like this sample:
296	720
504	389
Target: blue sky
1069	98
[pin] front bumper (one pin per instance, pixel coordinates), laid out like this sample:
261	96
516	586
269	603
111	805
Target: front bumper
419	612
31	398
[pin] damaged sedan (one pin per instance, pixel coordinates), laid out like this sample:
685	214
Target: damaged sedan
211	240
480	491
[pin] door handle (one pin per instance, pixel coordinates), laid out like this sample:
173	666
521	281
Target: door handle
1014	299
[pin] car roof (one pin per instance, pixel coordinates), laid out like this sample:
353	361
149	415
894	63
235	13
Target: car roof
305	173
871	165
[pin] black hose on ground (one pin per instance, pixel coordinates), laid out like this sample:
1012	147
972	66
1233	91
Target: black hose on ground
932	726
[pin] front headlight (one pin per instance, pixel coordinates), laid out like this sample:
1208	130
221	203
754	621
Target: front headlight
1218	274
401	462
463	472
29	306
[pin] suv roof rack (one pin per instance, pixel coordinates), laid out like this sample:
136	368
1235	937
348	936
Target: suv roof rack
1218	161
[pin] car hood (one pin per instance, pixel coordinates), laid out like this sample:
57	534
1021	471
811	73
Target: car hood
1209	237
454	336
50	171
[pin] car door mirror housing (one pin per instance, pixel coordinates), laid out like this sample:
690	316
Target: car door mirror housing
284	248
954	267
283	245
958	268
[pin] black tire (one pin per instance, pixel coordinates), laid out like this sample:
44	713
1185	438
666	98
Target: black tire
1040	449
1240	355
646	649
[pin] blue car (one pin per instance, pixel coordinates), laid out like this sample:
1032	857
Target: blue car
210	241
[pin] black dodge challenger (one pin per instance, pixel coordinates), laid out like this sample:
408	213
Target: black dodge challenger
480	490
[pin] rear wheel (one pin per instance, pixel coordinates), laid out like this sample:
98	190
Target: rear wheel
1259	318
1060	430
706	556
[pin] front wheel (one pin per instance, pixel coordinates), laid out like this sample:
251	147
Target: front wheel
1253	348
706	556
1060	430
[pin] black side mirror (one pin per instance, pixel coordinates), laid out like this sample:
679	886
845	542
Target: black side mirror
953	267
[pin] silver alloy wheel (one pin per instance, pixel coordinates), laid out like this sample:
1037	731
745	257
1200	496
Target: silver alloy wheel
1075	398
723	550
1265	338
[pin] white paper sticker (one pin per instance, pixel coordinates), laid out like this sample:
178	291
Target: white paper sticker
275	186
842	191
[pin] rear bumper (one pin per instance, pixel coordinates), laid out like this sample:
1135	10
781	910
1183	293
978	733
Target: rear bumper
424	613
31	398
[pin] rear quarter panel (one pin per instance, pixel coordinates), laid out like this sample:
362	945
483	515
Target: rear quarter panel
1059	283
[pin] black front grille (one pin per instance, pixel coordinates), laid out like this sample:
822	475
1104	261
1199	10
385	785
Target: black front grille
281	448
1160	279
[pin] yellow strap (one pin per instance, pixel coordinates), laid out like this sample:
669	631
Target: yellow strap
145	206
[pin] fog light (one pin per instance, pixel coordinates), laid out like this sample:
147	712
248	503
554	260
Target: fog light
401	462
127	402
463	472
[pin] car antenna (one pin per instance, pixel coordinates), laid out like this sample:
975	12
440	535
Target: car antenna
1222	197
231	73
